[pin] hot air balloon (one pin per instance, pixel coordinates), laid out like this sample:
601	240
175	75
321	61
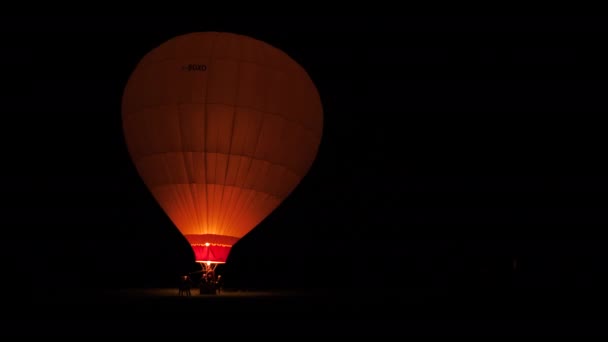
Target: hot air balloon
221	128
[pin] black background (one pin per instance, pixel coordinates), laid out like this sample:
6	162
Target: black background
451	146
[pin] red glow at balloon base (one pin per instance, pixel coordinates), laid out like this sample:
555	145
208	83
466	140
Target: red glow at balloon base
211	253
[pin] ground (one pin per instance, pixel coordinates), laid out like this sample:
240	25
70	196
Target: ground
159	312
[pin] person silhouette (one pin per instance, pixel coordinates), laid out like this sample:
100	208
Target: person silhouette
219	284
185	286
202	286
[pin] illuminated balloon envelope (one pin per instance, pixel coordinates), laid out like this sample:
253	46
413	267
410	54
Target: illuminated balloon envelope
221	128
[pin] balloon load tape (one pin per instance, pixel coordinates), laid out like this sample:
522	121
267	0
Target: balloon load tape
208	244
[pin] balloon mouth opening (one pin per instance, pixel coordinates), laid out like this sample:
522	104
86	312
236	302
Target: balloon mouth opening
211	249
208	253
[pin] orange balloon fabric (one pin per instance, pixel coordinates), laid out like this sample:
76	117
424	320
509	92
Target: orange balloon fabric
221	127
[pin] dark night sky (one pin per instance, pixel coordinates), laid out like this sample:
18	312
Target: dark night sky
450	145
